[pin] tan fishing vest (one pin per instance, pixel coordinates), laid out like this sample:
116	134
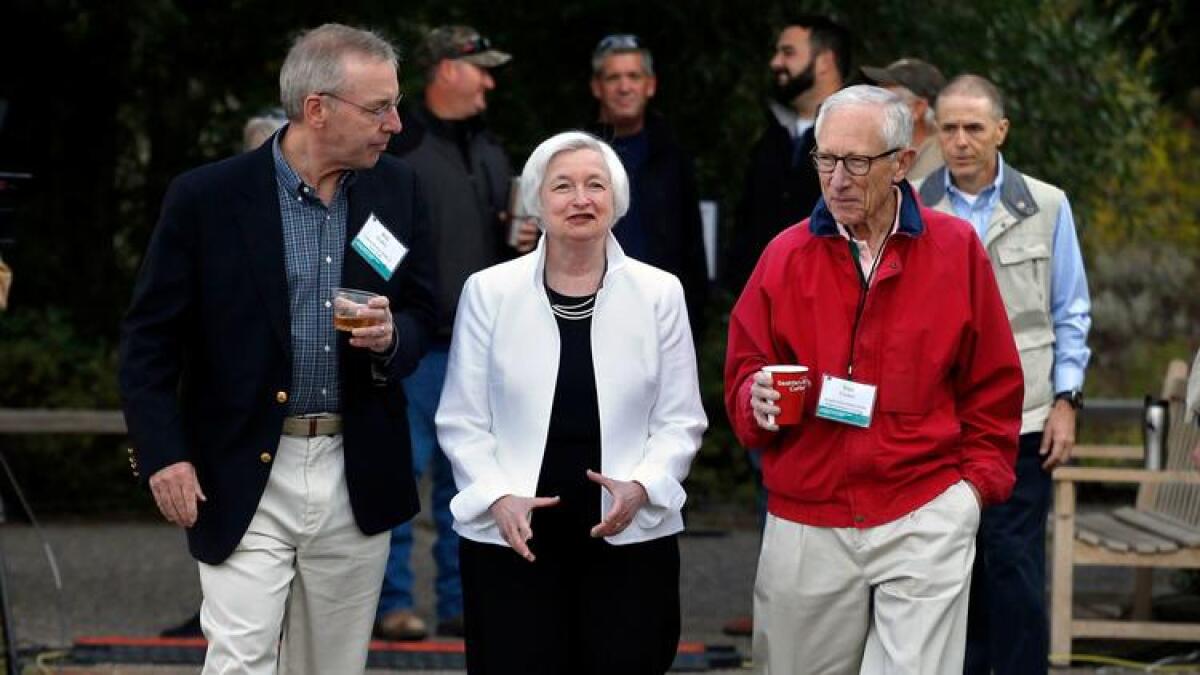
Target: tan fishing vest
1019	241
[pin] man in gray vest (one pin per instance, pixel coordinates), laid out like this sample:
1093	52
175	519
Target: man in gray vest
1029	232
465	177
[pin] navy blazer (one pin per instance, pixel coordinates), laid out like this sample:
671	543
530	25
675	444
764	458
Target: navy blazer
205	362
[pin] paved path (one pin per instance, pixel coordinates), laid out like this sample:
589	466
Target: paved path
134	578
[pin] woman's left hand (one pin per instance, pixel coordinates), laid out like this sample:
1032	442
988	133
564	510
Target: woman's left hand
628	498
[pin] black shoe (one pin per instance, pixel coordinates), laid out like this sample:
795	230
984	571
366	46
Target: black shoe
452	627
187	629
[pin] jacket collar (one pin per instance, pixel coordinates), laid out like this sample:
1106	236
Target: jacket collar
613	252
1014	191
822	224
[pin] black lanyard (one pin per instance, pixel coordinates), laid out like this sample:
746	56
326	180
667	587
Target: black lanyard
864	286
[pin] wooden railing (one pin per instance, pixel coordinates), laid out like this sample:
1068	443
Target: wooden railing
59	421
42	421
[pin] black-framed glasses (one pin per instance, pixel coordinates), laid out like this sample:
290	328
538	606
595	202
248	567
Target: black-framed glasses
618	41
856	165
379	112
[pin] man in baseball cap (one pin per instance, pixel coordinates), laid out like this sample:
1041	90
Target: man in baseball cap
465	177
918	83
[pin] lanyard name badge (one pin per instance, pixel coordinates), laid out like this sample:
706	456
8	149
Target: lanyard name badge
379	247
842	399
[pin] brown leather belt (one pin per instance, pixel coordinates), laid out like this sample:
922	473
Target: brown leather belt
327	424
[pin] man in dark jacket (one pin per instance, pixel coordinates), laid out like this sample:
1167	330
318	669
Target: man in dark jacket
465	177
279	443
662	227
811	61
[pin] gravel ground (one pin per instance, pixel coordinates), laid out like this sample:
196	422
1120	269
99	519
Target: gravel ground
134	578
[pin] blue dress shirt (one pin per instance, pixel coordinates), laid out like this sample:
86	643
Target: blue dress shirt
314	237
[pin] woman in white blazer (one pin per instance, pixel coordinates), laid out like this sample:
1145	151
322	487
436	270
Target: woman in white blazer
571	413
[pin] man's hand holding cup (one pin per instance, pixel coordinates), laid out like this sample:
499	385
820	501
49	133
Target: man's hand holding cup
777	395
366	316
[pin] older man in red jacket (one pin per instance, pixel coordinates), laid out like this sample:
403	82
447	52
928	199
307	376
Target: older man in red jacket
910	427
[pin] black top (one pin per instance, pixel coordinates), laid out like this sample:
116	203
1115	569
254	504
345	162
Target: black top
663	192
781	189
573	441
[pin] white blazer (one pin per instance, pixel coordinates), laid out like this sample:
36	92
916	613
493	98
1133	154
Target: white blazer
494	414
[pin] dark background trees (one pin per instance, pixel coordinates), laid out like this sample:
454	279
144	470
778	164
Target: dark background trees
106	102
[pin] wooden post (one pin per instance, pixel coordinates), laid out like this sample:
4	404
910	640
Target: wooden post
1063	579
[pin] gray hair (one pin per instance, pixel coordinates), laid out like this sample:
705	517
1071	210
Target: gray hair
534	172
897	118
975	86
314	63
647	59
259	128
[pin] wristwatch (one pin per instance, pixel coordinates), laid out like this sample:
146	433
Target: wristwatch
1074	397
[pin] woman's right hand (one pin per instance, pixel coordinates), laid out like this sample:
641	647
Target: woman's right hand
513	515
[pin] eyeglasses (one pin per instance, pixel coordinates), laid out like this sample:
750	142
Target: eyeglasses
618	41
856	165
379	112
474	45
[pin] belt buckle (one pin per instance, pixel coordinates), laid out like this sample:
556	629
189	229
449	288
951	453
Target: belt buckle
312	426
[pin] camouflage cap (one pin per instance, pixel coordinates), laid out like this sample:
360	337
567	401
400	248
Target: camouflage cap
463	43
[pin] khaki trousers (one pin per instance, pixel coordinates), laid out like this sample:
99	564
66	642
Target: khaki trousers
889	599
298	594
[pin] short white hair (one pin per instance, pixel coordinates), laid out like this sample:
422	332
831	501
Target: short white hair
534	172
897	118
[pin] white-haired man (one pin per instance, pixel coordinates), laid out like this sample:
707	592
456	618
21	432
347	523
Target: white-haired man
278	443
911	425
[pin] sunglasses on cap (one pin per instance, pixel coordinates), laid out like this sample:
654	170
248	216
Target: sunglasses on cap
618	41
476	45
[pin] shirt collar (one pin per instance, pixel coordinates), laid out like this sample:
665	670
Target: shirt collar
614	256
908	215
989	192
845	231
291	181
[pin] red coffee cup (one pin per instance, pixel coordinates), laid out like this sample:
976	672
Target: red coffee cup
791	382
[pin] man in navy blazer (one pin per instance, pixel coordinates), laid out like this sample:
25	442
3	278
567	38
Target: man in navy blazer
281	445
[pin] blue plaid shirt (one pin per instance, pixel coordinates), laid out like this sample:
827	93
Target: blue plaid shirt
314	238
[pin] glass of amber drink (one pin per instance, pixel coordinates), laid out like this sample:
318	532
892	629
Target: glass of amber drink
347	302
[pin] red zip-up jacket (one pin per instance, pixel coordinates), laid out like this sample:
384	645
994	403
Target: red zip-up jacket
933	337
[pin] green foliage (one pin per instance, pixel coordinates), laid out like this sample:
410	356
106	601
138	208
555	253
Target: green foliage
48	363
721	472
1144	252
157	86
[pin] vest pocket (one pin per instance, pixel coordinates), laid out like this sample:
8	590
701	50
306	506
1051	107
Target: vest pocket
1036	349
1023	276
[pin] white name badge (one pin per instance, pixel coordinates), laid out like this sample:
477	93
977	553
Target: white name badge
846	401
382	251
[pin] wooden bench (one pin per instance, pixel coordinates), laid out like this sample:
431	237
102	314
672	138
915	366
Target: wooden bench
1161	530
